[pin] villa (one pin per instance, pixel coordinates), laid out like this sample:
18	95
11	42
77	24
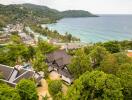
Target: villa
12	75
58	61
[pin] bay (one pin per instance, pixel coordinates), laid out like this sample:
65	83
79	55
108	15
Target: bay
96	29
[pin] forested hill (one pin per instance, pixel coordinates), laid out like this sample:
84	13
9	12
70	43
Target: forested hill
77	13
36	13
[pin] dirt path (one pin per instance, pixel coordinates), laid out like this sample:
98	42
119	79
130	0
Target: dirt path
54	76
43	90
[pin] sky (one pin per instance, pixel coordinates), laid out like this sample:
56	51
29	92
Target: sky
94	6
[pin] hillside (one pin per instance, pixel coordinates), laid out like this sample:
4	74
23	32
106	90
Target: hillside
35	13
77	13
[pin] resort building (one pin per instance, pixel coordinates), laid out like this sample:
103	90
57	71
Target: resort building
58	61
12	75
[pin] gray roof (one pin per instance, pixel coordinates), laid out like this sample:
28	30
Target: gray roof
8	71
26	75
65	73
64	60
56	55
60	57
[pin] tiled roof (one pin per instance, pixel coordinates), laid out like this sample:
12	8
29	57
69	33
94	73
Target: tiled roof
60	57
7	72
65	73
56	55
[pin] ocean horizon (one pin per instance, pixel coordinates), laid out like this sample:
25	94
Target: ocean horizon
106	27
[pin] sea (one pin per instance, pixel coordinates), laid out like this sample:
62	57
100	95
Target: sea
96	29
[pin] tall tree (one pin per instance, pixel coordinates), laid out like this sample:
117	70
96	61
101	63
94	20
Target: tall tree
112	46
125	74
39	64
80	64
97	55
55	89
45	47
109	64
27	90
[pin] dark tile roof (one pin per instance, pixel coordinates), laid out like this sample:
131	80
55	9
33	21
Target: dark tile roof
6	71
26	75
60	57
65	73
64	60
22	74
56	55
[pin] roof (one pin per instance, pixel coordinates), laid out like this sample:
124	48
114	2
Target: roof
12	75
64	60
60	57
56	55
65	73
6	71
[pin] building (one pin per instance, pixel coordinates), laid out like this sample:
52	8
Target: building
12	75
58	61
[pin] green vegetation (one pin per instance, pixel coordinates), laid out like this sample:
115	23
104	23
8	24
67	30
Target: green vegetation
77	13
55	89
98	59
96	85
27	90
29	13
80	64
101	71
8	93
53	34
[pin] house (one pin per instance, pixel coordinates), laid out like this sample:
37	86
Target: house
12	75
58	61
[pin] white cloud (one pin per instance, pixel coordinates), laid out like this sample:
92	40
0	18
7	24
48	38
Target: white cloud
95	6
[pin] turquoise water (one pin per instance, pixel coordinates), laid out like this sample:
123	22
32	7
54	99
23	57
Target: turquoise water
96	29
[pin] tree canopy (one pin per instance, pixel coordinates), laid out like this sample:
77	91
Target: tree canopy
8	93
96	85
27	90
55	89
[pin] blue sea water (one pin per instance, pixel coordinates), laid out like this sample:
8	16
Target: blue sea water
96	29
